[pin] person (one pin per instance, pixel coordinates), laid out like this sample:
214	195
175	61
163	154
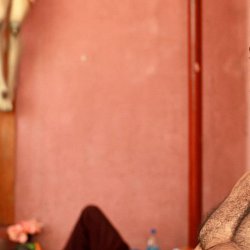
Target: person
12	16
93	231
228	227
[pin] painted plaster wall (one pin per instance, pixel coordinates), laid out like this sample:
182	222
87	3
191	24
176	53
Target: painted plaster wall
102	117
102	114
225	97
248	87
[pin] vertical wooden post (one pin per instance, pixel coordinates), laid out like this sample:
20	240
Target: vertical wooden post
195	117
7	162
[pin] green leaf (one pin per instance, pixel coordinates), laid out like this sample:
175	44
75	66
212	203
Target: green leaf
31	246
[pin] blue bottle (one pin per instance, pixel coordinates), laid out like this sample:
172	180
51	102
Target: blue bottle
152	241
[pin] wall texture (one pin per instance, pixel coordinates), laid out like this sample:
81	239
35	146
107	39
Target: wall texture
102	117
248	80
225	97
102	114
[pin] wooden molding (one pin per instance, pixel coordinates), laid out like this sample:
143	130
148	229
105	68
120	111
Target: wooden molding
7	167
195	118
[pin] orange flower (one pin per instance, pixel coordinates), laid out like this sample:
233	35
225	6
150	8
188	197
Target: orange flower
37	246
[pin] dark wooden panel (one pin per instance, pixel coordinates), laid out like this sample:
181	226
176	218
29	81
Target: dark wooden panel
5	244
7	167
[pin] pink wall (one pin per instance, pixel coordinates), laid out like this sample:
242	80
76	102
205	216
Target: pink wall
225	92
102	114
248	80
102	117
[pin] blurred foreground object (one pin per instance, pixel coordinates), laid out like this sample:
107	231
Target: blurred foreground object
12	16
